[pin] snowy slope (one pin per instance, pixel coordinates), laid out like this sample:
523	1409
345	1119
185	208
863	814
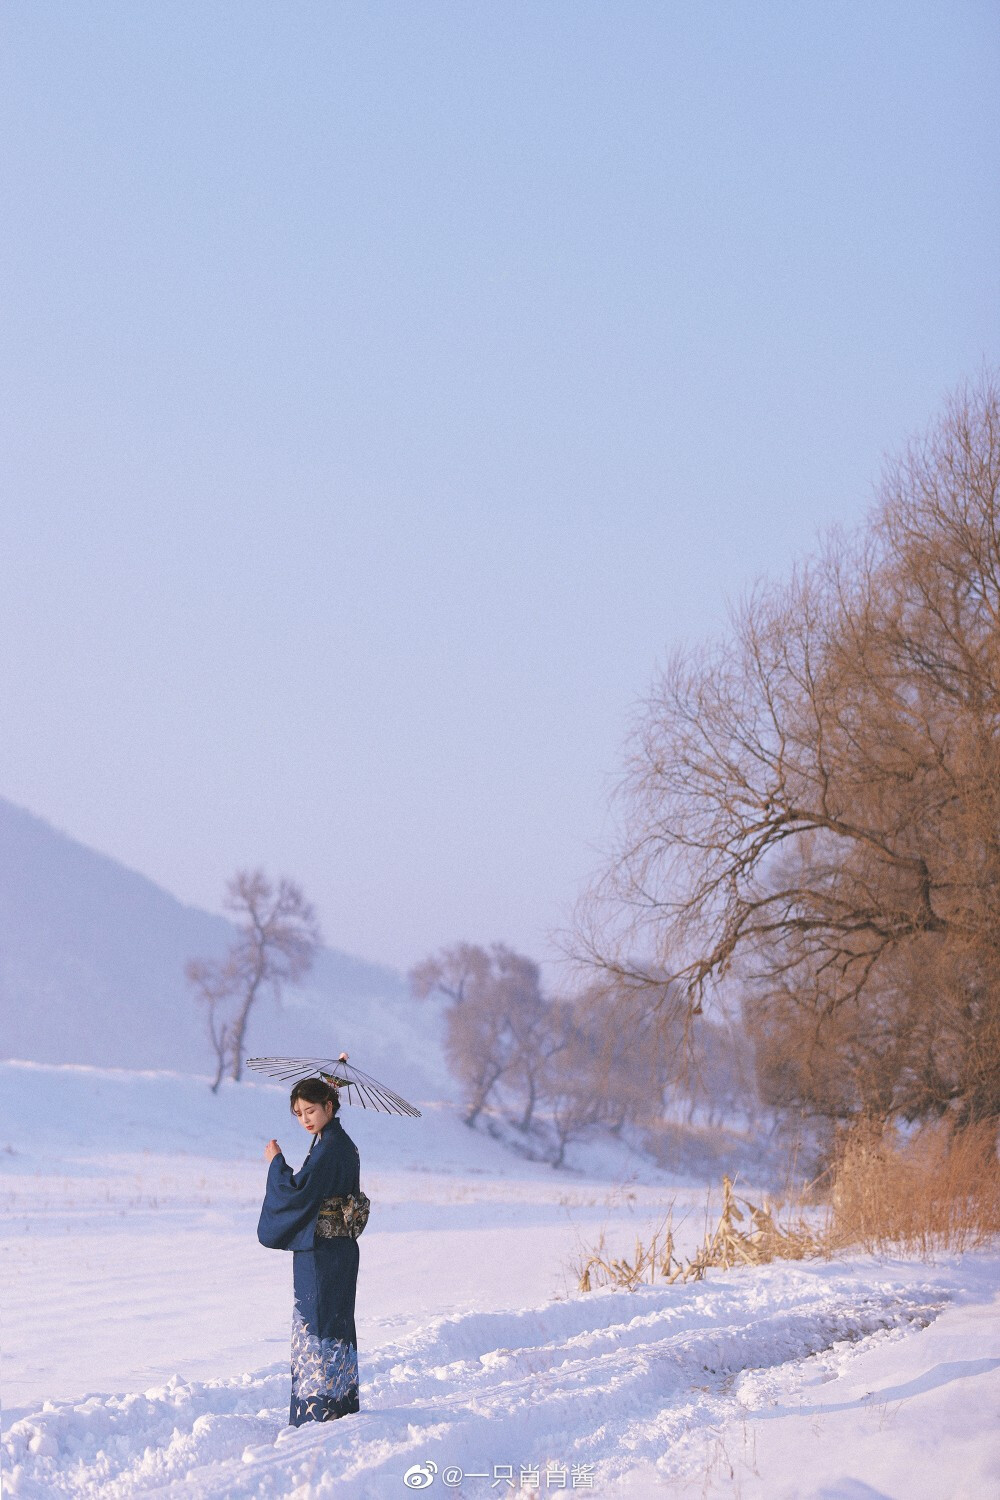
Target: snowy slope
92	962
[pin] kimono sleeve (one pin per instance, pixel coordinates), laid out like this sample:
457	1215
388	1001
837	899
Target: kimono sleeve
291	1199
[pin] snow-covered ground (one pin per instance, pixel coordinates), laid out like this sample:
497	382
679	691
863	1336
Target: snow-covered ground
145	1331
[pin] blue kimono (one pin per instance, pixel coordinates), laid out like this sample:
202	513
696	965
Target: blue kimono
324	1274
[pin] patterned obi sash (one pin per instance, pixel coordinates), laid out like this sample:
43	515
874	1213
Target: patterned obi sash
340	1218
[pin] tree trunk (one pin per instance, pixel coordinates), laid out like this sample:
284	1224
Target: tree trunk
241	1026
219	1043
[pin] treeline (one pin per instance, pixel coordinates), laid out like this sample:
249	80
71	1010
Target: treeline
555	1068
811	806
810	840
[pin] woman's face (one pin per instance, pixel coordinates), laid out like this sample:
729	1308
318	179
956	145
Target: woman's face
313	1116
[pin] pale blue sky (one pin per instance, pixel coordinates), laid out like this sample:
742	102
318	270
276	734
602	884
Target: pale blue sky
387	387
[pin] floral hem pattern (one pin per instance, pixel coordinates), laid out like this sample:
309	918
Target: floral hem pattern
324	1348
324	1376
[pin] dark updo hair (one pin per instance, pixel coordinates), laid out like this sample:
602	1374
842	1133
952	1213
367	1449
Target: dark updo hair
315	1091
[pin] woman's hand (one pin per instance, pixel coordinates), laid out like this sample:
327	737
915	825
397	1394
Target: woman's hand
271	1150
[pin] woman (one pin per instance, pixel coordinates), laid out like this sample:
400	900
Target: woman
297	1217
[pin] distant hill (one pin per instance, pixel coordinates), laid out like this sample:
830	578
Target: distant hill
92	959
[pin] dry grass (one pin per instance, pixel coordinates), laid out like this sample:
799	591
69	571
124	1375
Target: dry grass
650	1263
939	1191
747	1234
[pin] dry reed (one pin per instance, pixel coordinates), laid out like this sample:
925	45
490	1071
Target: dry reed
939	1191
744	1236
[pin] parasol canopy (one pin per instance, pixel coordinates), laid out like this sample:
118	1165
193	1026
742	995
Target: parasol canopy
354	1085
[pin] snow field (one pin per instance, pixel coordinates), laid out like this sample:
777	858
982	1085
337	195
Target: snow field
608	1380
146	1331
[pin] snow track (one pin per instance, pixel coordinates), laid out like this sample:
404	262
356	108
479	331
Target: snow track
611	1380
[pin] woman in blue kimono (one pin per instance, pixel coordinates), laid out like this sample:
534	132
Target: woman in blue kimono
297	1216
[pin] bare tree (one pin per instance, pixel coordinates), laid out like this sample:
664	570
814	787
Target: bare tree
463	969
479	1048
536	1041
276	942
214	986
811	807
574	1081
495	1003
635	1048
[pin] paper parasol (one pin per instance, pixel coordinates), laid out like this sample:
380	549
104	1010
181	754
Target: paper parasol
359	1088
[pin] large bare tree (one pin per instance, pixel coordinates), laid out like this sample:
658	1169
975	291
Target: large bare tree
276	941
811	806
